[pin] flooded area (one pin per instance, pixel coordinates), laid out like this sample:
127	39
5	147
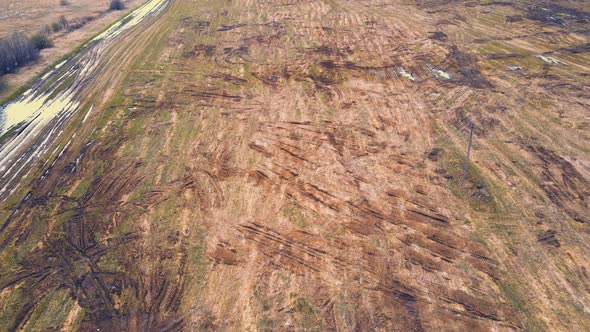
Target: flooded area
31	123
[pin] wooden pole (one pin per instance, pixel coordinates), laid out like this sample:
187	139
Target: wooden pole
471	126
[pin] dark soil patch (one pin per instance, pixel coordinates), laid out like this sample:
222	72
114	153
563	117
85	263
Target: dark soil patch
200	26
438	35
548	238
563	184
513	18
464	69
493	3
229	78
332	51
236	51
434	3
556	14
574	50
201	49
229	27
483	123
434	154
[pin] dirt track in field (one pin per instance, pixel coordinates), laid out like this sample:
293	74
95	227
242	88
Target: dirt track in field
297	165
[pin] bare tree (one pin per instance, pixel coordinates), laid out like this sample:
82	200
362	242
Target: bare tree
116	5
41	41
15	51
60	24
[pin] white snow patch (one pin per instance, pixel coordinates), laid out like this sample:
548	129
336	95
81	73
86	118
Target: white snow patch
87	114
405	74
441	74
515	68
550	60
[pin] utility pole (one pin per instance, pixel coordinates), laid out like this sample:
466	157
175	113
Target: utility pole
471	126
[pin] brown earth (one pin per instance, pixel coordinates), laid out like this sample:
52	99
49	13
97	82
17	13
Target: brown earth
297	165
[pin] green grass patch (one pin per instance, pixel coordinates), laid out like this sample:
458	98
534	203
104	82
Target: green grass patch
50	312
475	189
308	318
82	188
517	299
10	133
294	215
265	324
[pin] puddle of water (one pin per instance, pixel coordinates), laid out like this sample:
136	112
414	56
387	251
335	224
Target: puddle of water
34	101
12	158
131	20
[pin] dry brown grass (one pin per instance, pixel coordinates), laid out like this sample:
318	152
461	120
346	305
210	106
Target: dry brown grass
268	165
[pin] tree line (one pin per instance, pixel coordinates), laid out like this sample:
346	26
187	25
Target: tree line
18	50
15	51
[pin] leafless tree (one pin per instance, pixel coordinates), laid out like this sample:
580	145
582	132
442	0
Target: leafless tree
15	51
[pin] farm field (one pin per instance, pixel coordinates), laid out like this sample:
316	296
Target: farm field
298	165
